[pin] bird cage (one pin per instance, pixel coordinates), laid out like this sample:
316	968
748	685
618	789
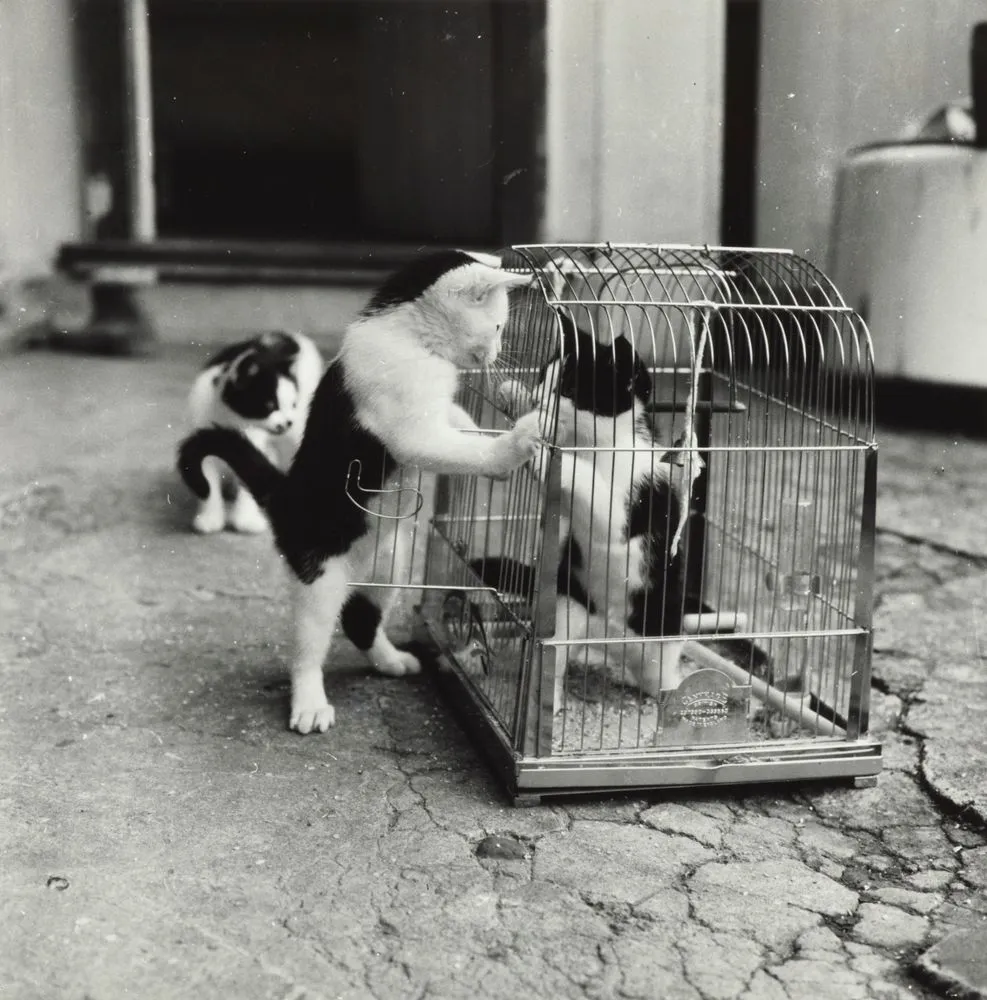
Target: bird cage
759	415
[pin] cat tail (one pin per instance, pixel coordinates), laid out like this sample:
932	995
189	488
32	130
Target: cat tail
251	466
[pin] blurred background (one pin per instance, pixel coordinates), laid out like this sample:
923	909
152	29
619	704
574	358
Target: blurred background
311	144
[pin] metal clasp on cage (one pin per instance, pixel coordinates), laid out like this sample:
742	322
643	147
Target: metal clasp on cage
419	496
465	630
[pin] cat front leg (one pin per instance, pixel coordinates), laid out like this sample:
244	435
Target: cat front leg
559	424
518	446
364	615
444	449
514	397
245	515
317	607
556	414
460	419
211	515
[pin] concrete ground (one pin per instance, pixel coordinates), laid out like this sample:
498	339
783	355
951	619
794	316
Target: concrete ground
163	835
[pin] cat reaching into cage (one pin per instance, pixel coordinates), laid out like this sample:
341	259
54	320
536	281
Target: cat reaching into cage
385	405
619	575
262	388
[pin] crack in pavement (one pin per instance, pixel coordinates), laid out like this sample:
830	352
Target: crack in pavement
965	812
979	558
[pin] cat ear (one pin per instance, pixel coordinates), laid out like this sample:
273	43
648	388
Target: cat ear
631	370
491	260
281	345
516	279
274	338
496	274
642	385
482	284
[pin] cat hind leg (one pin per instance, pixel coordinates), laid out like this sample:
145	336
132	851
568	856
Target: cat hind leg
363	620
211	515
650	665
657	666
575	624
385	556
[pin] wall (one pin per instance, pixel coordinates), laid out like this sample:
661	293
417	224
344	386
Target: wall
39	146
840	73
634	120
633	143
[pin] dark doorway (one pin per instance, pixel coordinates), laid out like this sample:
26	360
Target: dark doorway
743	43
332	120
255	117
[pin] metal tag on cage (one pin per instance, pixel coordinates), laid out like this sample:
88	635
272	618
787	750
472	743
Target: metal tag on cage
707	707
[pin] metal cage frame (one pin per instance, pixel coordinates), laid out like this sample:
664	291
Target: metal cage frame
779	391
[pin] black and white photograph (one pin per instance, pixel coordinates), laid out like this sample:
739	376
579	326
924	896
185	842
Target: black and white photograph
493	499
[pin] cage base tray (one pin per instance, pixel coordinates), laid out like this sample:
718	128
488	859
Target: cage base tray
531	775
858	763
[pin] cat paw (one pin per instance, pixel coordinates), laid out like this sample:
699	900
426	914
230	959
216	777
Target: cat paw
658	670
398	665
652	685
514	397
250	522
528	439
209	521
308	718
521	443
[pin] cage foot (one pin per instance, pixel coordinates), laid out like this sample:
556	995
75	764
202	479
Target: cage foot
865	781
525	800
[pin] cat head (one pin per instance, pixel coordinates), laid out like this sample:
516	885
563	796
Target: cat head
461	300
605	379
260	386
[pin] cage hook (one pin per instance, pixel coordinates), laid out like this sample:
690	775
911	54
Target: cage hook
419	496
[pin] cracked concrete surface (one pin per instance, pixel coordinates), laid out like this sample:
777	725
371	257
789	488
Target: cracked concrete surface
163	835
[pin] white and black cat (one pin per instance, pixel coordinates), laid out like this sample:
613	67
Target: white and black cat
618	577
261	387
620	573
385	406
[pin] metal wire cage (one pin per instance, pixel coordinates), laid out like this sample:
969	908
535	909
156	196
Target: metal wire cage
758	417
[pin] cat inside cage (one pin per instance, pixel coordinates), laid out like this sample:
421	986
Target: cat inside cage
680	565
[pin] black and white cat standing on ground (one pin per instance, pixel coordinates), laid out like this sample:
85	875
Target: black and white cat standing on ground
263	388
385	407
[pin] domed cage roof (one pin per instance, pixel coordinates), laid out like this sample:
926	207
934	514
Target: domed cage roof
772	319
